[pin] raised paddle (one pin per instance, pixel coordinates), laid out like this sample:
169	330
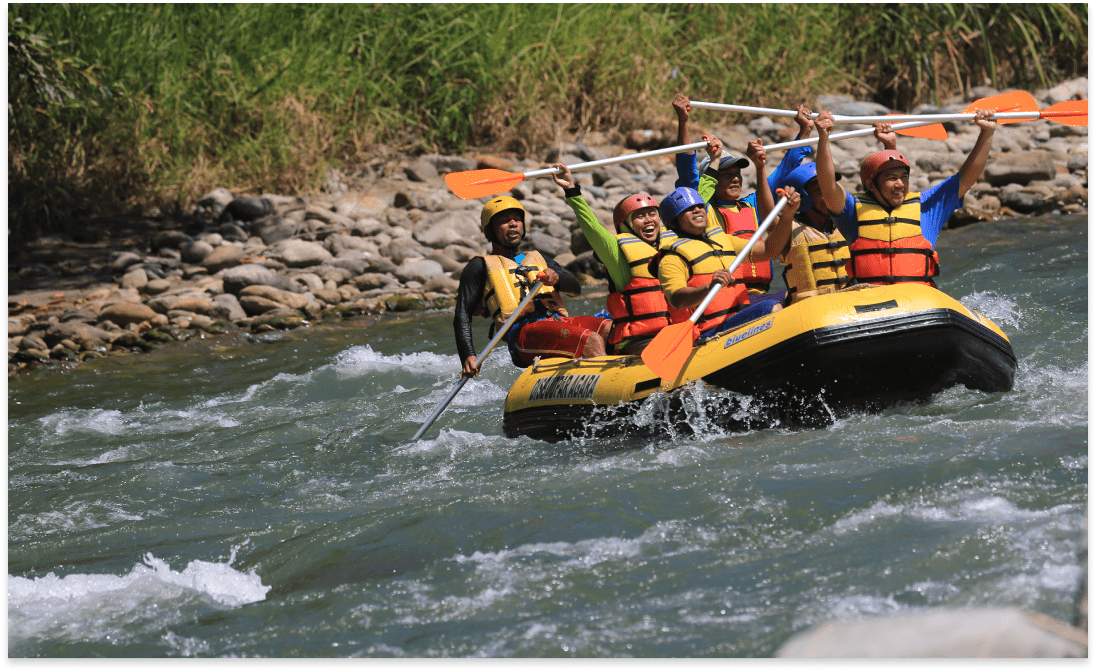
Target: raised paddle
670	349
929	132
1010	108
479	360
491	181
841	136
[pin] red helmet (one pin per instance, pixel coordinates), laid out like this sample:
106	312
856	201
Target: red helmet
630	205
873	164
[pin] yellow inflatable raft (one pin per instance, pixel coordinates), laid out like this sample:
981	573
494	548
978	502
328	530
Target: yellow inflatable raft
862	348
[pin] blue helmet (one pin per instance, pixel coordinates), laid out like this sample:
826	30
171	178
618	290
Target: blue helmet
798	179
678	201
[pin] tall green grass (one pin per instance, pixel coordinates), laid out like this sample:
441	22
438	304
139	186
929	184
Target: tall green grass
172	100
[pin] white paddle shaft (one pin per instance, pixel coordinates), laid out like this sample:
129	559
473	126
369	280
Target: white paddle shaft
741	256
846	134
867	119
619	159
479	360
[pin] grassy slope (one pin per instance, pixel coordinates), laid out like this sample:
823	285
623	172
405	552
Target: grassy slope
263	97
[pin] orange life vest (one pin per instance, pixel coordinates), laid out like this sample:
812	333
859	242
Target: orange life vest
740	220
639	308
889	247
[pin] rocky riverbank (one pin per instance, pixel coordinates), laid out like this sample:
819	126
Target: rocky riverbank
391	237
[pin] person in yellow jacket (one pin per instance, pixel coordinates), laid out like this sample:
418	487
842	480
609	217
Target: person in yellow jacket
814	258
691	266
891	231
493	285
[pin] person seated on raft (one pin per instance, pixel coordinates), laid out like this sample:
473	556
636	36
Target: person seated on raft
735	214
636	302
493	285
891	232
689	267
815	256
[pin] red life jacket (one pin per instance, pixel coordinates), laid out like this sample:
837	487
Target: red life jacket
889	247
740	220
639	308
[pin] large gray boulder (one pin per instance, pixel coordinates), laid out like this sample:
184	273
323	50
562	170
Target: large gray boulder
1020	168
274	228
226	307
225	256
298	253
943	633
235	279
420	270
449	229
542	242
125	313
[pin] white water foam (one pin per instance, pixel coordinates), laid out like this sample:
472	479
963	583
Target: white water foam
361	360
104	607
1002	310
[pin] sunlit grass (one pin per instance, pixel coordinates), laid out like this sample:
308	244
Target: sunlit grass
264	97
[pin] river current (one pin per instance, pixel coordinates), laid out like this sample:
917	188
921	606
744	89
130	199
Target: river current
263	499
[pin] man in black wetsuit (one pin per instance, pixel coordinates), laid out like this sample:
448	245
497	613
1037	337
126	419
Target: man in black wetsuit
493	285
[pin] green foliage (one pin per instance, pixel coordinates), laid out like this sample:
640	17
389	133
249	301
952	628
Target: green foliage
114	105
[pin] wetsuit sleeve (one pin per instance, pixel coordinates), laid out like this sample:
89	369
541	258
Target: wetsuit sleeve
568	284
687	175
673	274
473	282
937	205
604	244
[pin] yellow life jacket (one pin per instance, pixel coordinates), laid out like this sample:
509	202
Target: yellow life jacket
507	285
703	258
889	247
815	262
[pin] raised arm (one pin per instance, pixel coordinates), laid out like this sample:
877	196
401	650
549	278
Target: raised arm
681	107
756	153
833	194
887	137
976	160
604	243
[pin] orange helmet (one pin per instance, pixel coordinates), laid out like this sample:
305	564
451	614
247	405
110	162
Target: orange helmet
873	164
629	205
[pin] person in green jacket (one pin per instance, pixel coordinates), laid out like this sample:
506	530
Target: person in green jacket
636	302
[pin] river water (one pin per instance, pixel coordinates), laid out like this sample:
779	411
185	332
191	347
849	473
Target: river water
264	499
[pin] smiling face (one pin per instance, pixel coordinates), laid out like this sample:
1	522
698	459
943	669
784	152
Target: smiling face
694	220
891	186
729	186
645	223
509	227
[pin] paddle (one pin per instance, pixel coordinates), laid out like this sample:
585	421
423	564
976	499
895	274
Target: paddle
670	349
1010	108
841	136
929	132
490	181
479	359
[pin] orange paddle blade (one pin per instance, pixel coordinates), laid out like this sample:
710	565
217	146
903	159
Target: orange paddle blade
933	132
668	352
1013	101
1070	113
479	183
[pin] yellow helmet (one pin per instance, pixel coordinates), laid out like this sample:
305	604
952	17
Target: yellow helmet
494	207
